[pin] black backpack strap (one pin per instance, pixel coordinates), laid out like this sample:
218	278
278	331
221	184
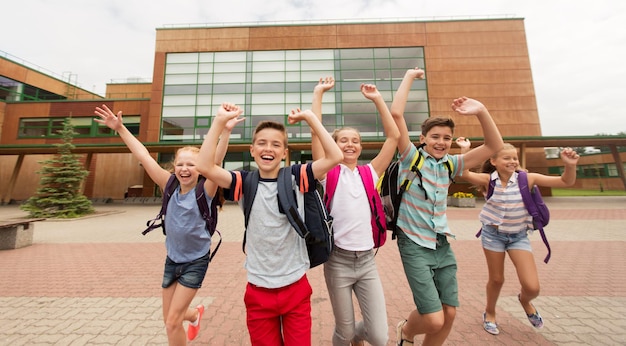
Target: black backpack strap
288	203
170	187
208	213
250	184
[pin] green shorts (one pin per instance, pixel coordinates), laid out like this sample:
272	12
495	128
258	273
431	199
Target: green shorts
431	273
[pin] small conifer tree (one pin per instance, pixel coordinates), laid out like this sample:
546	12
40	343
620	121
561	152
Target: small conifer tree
59	193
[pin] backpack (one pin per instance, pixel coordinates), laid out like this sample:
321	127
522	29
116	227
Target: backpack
316	228
208	215
534	204
379	225
391	196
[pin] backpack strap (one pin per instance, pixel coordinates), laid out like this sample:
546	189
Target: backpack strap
248	187
287	199
490	188
529	203
168	191
332	177
208	213
372	196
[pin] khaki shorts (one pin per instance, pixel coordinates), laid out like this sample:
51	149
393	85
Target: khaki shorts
431	273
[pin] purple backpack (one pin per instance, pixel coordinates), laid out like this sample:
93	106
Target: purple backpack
534	205
379	227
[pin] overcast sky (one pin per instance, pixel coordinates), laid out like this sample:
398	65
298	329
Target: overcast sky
577	48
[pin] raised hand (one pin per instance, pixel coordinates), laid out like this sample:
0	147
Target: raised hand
370	91
108	118
416	73
464	144
325	84
296	115
467	106
569	156
228	112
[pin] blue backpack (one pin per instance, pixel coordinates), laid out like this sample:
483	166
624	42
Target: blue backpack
534	204
208	213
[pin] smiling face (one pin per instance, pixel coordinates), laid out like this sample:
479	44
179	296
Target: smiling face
185	167
438	141
506	161
269	148
349	141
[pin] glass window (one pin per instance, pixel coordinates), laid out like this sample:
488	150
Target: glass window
178	58
225	78
181	68
179	100
268	84
230	56
268	66
181	79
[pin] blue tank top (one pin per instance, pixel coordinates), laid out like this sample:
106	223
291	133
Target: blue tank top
187	238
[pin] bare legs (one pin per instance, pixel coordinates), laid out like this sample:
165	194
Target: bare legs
524	263
176	300
435	326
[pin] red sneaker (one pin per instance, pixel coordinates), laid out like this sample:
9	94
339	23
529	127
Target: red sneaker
194	327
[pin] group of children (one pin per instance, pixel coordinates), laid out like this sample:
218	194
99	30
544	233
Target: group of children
277	295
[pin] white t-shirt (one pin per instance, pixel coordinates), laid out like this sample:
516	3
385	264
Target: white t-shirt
351	211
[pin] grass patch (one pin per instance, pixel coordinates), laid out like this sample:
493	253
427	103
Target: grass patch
577	192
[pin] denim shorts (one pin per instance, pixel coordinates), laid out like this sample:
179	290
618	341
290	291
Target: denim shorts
496	241
190	274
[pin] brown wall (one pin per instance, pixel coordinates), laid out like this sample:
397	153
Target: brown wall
110	174
487	60
40	80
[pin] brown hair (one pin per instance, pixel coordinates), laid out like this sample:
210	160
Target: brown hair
267	124
431	122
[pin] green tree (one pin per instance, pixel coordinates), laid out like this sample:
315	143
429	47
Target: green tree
59	193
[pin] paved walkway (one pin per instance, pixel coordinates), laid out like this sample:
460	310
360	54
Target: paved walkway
96	281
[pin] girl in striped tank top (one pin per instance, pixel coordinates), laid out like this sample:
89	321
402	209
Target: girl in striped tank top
506	223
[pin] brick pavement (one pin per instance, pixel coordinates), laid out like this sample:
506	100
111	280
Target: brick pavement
96	281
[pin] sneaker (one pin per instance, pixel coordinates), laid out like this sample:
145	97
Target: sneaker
490	327
194	327
535	319
399	340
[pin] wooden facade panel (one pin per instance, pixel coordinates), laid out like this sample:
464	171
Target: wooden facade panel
129	90
456	51
476	90
292	31
382	29
281	43
479	77
476	38
374	40
514	24
115	173
495	63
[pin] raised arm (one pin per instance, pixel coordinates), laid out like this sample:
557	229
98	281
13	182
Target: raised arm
332	153
399	103
222	148
208	151
493	139
392	134
323	86
568	178
157	173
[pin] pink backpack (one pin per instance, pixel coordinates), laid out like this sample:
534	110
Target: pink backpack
379	226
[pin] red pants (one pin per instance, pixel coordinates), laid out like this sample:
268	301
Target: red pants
279	316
